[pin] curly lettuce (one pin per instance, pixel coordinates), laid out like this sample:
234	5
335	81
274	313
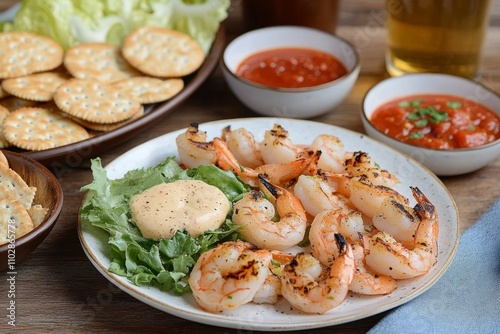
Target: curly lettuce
70	22
165	263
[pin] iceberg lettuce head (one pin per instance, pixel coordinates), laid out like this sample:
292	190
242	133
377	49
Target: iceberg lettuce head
70	22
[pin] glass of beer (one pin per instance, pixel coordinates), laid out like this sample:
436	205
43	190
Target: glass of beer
440	36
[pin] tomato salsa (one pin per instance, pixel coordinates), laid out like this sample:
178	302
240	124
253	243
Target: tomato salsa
291	68
437	121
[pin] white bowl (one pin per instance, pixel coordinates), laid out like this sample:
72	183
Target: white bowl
441	162
290	102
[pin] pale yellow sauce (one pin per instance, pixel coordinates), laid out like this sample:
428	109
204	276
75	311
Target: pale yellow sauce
190	205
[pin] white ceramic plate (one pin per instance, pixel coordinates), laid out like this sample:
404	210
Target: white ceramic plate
281	317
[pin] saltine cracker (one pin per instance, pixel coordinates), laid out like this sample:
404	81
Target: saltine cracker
150	90
14	219
12	185
3	159
162	52
39	128
23	53
35	87
98	61
4	143
95	101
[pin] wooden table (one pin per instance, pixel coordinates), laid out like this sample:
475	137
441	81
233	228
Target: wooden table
59	290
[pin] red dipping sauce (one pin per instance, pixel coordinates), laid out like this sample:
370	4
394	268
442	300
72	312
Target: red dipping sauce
291	68
437	121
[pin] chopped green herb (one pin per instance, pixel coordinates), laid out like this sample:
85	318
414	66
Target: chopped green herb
275	262
440	116
471	128
453	104
421	123
413	116
428	114
415	103
416	135
404	104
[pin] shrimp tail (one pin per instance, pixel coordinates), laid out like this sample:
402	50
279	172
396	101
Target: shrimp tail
226	131
193	132
341	243
227	161
287	173
424	207
268	185
426	234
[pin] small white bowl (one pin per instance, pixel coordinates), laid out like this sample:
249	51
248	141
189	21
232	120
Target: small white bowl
441	162
290	102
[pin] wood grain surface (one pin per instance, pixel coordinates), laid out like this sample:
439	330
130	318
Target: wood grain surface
58	290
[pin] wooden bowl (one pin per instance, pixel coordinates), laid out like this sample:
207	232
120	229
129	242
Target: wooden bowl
49	194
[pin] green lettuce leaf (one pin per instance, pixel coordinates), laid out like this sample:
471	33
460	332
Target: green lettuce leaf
198	18
165	263
70	22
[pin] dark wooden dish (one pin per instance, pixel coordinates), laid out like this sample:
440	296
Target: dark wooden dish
49	194
75	154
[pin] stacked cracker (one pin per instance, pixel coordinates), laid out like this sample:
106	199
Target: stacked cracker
18	214
50	98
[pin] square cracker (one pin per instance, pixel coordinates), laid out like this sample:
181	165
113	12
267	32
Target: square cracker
13	186
37	214
14	219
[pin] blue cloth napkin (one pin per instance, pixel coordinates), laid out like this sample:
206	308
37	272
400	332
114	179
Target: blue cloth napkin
467	297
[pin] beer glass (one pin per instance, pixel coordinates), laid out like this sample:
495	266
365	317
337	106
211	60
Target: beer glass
441	36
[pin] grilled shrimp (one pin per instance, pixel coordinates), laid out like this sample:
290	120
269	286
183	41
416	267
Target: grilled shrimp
193	148
326	225
333	154
243	146
255	214
317	195
307	287
278	148
389	257
362	165
228	276
366	282
397	219
280	174
368	198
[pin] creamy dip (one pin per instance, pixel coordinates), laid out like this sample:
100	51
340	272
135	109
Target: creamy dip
190	205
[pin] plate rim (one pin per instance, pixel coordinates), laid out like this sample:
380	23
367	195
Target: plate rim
223	321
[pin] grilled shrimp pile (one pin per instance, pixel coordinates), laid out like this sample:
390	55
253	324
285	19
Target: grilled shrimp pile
355	232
